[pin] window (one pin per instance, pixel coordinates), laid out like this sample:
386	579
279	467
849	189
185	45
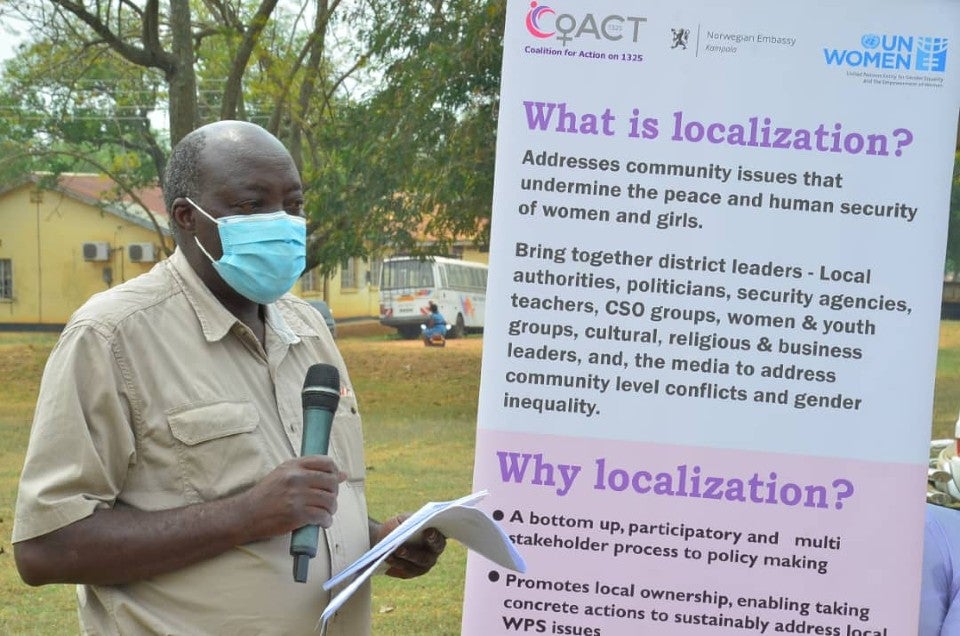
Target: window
376	264
464	277
478	278
456	277
349	274
311	282
6	279
407	274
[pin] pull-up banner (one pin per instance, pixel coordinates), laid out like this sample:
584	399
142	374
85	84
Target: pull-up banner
712	316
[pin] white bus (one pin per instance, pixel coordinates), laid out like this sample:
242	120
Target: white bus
408	283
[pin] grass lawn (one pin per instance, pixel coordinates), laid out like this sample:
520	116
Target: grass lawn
419	447
420	437
947	394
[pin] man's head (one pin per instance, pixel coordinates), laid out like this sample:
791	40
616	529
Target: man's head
433	307
225	169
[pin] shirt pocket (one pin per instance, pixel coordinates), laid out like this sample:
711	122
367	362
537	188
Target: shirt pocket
219	447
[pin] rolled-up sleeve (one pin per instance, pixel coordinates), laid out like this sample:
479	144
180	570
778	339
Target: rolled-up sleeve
81	442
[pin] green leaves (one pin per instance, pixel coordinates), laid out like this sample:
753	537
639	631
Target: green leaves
388	106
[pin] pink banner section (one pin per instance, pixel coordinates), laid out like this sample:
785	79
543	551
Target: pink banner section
635	538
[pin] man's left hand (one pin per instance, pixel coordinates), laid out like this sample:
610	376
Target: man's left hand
417	555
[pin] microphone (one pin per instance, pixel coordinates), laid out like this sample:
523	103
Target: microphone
321	394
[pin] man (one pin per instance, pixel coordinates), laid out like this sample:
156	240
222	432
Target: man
940	574
162	473
940	582
436	327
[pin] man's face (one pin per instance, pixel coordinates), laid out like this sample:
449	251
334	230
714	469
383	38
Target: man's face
254	176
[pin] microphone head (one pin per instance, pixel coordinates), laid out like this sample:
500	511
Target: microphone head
321	387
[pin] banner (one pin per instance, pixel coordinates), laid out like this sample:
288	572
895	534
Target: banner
712	317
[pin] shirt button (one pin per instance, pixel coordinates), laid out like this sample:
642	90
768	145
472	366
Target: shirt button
353	410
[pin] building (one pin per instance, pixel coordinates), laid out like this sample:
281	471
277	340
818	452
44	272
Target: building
64	238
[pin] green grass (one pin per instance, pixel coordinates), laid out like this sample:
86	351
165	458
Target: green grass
419	447
24	610
946	402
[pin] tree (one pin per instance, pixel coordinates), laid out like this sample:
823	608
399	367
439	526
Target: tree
388	106
96	76
66	110
424	158
953	231
88	100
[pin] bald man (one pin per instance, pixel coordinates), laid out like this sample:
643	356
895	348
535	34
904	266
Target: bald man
162	475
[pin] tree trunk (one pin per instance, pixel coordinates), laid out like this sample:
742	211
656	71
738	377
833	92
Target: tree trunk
182	79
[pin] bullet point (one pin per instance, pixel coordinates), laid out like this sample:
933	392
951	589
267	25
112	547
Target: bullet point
497	515
494	576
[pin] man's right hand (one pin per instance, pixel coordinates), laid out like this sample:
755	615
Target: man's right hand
113	546
298	492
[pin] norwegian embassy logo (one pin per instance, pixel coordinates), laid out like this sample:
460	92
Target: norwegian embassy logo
893	52
544	22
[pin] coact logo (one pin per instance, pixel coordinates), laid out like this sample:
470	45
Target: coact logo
568	27
533	20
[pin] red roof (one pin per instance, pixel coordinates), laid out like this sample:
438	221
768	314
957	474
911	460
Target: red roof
103	189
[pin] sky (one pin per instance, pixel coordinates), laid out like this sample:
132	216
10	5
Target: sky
10	36
13	32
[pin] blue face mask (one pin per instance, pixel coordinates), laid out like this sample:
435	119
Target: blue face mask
263	254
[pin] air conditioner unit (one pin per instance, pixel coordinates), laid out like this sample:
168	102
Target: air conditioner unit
141	253
99	251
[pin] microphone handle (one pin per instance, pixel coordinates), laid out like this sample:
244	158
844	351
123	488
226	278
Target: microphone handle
316	440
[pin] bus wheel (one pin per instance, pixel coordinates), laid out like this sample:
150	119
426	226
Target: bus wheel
408	333
458	330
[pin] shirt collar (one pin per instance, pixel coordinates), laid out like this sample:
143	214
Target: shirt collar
288	326
216	321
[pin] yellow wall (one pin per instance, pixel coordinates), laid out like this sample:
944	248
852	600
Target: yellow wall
44	241
362	301
48	289
356	302
476	256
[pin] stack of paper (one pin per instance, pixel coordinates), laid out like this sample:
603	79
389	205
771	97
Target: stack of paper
456	519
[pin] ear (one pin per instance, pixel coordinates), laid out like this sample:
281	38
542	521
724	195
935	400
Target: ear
182	215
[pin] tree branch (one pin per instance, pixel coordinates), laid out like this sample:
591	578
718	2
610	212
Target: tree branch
133	7
277	114
138	56
151	28
233	90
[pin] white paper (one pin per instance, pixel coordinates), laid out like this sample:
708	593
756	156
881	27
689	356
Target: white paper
457	519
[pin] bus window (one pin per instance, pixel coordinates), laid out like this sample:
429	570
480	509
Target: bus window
406	274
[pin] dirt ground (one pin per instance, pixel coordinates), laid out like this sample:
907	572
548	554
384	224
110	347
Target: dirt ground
368	329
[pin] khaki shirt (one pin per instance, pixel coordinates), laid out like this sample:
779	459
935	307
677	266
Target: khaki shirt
157	397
